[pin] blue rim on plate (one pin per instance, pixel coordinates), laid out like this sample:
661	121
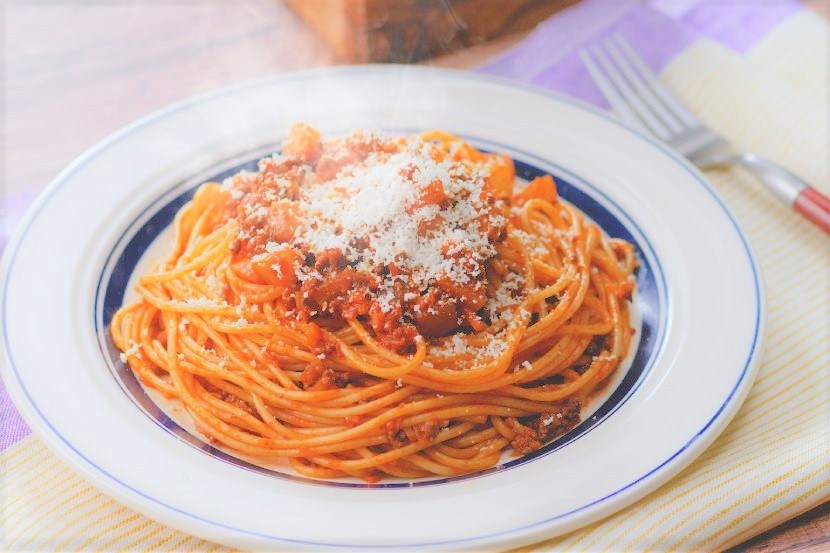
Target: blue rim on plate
13	250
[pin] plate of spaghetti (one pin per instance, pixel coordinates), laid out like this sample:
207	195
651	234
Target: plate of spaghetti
379	308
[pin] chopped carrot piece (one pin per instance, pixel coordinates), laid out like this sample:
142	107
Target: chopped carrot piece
314	334
283	221
501	177
304	142
543	188
431	194
275	268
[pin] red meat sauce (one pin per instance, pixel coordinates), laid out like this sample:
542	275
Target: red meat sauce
267	211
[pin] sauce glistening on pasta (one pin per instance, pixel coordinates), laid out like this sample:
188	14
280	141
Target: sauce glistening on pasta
376	306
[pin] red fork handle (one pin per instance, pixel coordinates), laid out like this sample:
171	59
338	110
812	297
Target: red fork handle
789	188
815	207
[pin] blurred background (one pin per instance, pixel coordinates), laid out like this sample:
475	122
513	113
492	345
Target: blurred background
75	71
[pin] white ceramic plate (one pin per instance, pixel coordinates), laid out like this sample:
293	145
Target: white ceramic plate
699	296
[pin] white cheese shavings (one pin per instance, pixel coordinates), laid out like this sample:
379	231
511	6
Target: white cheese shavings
203	302
375	204
456	345
243	302
134	350
511	291
531	244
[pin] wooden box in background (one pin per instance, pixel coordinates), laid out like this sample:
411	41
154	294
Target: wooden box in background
410	30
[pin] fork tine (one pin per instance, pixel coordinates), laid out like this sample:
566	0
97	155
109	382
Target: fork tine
610	93
648	96
669	100
631	97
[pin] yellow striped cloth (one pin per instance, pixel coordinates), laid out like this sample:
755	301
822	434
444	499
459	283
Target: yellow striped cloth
772	461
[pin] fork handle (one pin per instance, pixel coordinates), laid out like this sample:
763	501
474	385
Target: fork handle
791	189
815	207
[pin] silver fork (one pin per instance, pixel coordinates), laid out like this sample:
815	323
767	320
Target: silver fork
638	96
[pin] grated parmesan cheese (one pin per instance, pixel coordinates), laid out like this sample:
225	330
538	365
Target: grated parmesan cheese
374	204
203	302
134	350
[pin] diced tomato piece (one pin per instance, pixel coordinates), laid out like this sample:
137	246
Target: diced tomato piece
431	194
314	334
244	270
283	221
216	201
502	176
475	322
303	142
453	145
464	151
312	373
276	268
431	224
543	188
334	287
439	320
471	296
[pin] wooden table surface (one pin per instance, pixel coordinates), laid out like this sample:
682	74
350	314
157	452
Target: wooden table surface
74	72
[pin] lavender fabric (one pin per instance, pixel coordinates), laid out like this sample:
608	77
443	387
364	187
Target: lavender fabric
658	29
12	427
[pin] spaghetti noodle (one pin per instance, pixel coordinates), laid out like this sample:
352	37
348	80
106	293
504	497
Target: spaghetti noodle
373	306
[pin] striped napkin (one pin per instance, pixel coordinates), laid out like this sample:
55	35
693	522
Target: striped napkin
754	71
